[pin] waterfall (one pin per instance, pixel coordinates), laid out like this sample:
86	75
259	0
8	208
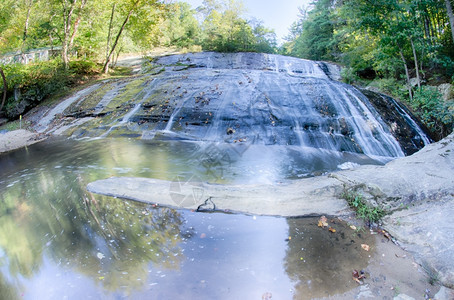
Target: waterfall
131	113
426	140
256	99
108	97
43	124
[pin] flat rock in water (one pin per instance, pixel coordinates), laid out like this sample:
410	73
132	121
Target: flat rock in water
310	196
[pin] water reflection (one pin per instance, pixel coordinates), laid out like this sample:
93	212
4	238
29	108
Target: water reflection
320	262
48	217
57	240
213	162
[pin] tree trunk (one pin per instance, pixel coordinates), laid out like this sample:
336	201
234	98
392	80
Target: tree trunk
416	63
5	88
109	57
109	34
76	24
26	25
407	75
117	56
427	28
67	16
450	16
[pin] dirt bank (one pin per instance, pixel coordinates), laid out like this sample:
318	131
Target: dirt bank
16	139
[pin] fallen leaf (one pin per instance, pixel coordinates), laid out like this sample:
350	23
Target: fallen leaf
323	221
356	276
332	229
386	234
353	227
357	280
365	247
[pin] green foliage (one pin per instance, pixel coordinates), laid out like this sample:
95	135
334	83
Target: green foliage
389	86
224	30
436	113
316	39
180	28
363	210
30	84
83	67
349	75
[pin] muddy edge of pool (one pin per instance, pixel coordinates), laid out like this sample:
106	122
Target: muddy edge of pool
12	140
417	190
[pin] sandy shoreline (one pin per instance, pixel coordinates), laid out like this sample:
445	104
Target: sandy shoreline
16	139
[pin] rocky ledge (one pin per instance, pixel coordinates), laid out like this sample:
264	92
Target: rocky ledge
417	191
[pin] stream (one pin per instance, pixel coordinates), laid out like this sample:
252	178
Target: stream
59	242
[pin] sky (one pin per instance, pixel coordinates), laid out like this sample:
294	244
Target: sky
275	14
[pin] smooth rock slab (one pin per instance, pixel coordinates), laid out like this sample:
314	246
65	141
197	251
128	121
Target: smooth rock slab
426	231
311	196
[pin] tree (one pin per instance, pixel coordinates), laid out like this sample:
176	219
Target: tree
224	30
29	4
126	20
69	28
265	39
5	88
180	27
450	16
14	23
316	36
147	14
222	24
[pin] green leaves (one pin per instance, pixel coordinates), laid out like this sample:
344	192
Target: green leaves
431	108
224	30
362	208
316	39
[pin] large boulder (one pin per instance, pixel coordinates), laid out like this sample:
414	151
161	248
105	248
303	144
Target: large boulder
446	91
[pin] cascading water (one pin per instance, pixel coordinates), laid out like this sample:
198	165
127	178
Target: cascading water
249	101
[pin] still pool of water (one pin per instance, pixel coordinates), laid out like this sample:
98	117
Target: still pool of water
59	242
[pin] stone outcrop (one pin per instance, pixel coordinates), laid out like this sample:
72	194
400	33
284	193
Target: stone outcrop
446	91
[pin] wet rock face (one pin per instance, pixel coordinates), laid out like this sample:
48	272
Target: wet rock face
408	132
243	97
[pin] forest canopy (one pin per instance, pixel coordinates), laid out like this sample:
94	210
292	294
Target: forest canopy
94	28
400	47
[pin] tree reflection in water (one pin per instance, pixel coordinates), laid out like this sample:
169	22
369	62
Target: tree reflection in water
48	216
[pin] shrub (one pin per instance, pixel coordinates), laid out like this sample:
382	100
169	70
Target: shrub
389	86
349	75
363	210
83	67
28	85
437	114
